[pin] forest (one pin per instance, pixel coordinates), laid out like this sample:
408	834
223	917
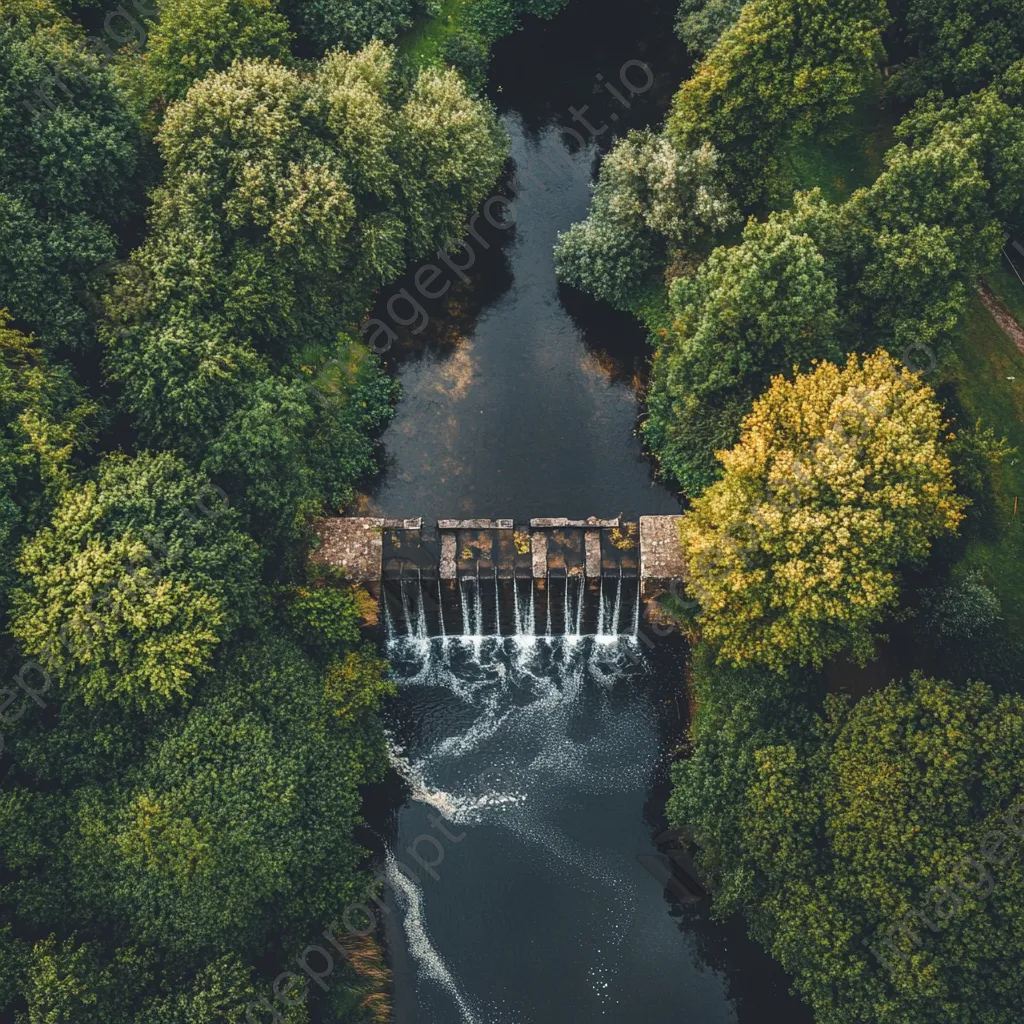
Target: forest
200	203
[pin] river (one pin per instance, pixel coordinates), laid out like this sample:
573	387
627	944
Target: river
535	770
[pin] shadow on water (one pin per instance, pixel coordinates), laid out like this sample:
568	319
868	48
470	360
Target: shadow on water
538	767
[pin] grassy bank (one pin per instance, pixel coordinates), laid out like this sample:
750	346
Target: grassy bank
990	387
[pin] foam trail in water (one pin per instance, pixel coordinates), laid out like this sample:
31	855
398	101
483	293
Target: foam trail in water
497	606
429	961
440	609
515	603
579	608
600	608
636	610
618	604
548	602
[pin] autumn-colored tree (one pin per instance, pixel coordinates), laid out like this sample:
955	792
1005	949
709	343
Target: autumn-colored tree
838	478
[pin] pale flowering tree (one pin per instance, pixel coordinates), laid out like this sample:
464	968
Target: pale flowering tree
649	196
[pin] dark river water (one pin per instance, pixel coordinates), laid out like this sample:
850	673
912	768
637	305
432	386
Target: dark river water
534	770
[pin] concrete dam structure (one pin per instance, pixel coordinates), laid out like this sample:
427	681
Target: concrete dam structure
493	577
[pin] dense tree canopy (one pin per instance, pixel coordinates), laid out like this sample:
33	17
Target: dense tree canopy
46	424
649	196
68	143
228	823
751	310
786	67
218	204
905	250
959	46
349	23
876	850
288	199
700	23
180	782
192	38
838	478
129	591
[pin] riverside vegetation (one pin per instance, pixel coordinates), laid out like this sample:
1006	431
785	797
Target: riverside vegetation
198	203
804	238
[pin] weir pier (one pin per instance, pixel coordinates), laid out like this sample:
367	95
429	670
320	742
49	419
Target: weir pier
486	577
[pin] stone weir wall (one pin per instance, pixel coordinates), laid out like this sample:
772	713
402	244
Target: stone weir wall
371	549
410	565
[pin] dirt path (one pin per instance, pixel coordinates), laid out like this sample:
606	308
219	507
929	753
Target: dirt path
1002	315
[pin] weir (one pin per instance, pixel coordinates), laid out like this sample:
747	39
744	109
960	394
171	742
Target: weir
492	577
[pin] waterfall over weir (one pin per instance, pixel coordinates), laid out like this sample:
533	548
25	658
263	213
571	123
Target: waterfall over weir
472	608
516	744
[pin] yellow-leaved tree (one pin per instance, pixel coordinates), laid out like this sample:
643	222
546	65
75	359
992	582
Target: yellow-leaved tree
838	478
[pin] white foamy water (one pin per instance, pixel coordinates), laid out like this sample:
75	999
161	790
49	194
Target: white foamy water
511	735
429	962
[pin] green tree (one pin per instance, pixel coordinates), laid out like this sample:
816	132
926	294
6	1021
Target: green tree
191	39
989	124
904	251
649	196
349	23
839	477
958	46
68	144
140	576
700	23
786	68
881	861
223	840
289	199
46	425
750	311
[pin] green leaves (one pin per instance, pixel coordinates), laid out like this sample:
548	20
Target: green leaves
191	39
649	196
959	46
68	142
786	67
865	828
221	840
760	307
129	591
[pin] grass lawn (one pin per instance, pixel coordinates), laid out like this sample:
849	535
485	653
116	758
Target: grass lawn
424	42
839	168
988	360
